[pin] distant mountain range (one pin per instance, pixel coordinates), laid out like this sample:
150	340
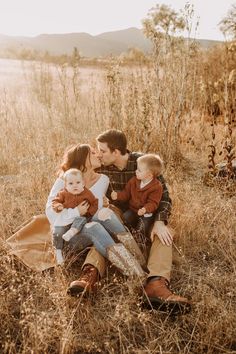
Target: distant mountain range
100	45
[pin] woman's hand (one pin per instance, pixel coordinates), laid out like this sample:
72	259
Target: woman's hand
83	207
105	202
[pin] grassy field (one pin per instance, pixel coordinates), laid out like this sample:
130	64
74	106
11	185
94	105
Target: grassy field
43	109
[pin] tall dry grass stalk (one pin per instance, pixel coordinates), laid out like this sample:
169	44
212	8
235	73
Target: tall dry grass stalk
160	110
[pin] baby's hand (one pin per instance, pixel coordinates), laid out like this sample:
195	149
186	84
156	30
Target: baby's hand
141	212
57	207
113	195
60	207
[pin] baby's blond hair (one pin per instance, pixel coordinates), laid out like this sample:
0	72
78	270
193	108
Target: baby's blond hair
153	162
72	172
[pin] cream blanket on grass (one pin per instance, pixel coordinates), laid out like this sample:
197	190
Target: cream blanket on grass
31	243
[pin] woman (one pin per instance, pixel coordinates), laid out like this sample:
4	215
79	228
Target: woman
105	223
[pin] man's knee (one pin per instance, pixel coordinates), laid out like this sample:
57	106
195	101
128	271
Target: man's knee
156	243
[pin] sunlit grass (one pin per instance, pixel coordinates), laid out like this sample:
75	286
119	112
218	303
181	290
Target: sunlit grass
43	109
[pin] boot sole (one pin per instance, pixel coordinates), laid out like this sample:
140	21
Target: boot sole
172	307
77	291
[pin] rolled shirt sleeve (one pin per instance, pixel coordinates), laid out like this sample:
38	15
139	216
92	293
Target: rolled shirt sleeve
164	209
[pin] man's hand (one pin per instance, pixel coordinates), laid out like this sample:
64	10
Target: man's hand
83	207
163	232
113	195
141	211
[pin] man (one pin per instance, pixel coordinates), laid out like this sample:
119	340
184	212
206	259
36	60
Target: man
120	165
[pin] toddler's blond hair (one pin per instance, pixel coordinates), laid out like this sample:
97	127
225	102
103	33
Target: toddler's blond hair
153	162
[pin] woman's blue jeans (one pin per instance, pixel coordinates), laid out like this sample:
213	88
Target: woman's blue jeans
108	219
97	232
92	233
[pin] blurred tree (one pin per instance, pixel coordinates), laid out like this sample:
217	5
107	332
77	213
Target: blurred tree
161	26
228	23
75	58
174	61
162	20
134	55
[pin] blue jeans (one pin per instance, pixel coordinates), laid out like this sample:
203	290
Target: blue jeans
108	219
59	231
92	233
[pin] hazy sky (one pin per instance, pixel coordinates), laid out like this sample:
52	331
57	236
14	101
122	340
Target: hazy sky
33	17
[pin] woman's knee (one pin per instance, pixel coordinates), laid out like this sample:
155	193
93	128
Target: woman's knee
96	232
92	225
104	214
94	229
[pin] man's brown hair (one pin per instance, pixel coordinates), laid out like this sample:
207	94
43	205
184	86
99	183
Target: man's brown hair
153	162
115	139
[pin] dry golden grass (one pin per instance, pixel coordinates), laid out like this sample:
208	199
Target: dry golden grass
47	109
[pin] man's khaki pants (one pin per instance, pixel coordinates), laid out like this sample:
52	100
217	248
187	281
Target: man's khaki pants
159	260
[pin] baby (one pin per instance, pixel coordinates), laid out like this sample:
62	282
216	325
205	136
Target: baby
143	191
71	196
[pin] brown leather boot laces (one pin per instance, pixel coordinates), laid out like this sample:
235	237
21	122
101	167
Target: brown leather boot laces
87	281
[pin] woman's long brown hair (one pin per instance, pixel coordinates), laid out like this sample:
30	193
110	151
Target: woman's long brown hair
75	157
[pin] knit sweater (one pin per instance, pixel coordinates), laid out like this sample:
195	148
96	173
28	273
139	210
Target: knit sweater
147	197
118	180
70	200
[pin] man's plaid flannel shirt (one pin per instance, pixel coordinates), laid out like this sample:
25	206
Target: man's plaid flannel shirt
118	180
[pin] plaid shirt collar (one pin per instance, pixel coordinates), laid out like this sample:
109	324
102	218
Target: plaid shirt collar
131	163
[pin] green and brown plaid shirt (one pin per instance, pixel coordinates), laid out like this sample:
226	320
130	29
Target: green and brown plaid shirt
118	180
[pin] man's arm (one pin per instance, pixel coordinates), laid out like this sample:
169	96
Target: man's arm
162	214
164	209
109	190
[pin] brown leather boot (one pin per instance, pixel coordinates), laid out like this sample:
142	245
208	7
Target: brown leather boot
86	283
159	296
